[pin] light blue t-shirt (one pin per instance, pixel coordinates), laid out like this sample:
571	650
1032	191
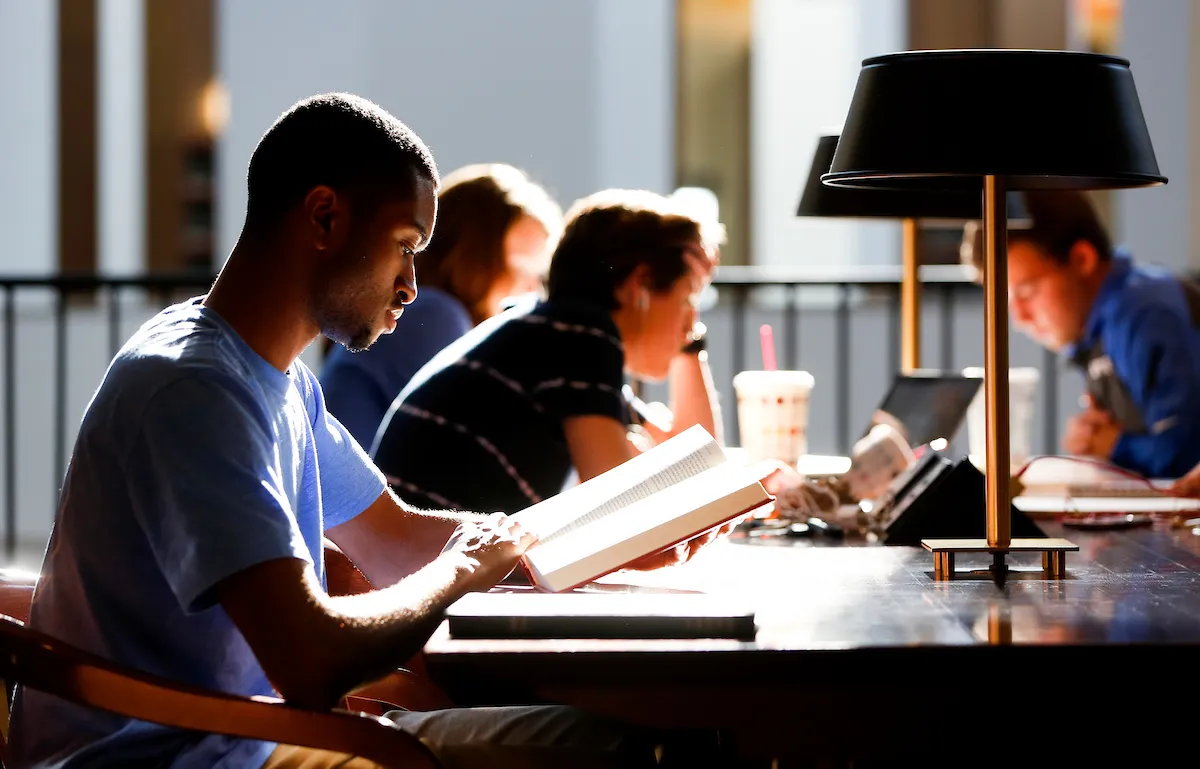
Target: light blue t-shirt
195	460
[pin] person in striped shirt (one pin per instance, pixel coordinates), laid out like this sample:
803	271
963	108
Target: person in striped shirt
509	413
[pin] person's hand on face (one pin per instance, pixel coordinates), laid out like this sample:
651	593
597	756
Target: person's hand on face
1093	432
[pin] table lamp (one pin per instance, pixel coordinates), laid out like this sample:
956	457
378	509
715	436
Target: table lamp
985	122
907	205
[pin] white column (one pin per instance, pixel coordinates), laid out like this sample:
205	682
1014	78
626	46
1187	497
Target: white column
806	58
635	109
121	136
29	137
580	94
1156	38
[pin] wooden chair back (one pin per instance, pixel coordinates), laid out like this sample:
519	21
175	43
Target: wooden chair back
41	662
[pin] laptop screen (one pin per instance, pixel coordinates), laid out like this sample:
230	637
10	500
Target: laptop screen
925	406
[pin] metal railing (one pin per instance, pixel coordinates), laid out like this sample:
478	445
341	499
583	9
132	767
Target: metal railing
788	293
68	291
942	286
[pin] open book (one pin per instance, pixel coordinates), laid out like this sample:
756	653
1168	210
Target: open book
676	490
1070	476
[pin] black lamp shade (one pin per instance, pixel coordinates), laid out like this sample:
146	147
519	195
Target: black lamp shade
942	120
824	200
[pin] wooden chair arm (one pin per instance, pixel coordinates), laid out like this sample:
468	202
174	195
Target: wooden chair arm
400	689
41	662
342	577
16	592
404	689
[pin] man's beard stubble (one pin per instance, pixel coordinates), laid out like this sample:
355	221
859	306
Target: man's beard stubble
336	311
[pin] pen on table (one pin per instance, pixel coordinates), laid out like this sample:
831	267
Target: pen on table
826	528
786	530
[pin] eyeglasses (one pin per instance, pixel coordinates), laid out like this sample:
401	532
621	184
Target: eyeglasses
1029	288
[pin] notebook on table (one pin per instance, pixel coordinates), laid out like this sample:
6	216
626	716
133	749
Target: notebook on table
540	615
1047	475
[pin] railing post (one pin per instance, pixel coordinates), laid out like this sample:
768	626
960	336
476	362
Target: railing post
739	346
114	320
894	323
947	329
60	388
791	331
10	422
1050	390
842	365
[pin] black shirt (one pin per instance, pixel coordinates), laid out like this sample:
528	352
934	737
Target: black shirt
480	426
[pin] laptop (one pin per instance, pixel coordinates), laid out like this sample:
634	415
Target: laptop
926	404
922	406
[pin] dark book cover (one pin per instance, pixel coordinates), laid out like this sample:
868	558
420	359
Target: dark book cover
537	615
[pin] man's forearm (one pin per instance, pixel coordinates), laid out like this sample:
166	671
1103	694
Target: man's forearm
374	633
314	648
693	396
392	540
433	528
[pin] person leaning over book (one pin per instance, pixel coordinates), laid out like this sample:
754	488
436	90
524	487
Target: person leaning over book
1133	330
499	419
495	231
188	540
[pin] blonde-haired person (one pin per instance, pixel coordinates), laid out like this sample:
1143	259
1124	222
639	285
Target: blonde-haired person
499	419
495	231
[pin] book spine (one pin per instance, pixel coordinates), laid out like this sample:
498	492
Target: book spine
649	627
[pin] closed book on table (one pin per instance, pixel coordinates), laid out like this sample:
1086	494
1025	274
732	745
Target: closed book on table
600	615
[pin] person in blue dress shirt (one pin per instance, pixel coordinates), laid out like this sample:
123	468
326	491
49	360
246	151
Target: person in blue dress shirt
495	232
1133	331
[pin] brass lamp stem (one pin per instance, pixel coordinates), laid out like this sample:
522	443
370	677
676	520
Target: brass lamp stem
910	301
995	230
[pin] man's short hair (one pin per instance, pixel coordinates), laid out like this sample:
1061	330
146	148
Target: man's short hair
609	234
336	139
1058	219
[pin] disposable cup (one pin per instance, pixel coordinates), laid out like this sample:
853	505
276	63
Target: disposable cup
1022	399
772	408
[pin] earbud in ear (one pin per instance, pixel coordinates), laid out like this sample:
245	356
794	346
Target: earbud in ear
643	300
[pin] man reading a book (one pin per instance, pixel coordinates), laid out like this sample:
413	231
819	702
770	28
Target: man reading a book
1134	332
188	541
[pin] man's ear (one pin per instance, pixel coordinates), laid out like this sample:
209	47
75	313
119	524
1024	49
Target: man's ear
1083	258
324	217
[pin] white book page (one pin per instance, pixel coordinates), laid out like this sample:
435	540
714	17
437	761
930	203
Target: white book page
646	526
684	456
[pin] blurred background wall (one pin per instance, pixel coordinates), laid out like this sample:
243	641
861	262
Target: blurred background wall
127	125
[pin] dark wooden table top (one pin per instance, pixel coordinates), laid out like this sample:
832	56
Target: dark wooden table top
863	644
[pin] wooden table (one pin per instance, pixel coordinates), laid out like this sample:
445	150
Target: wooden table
861	654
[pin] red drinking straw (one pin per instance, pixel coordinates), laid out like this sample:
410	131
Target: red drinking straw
766	338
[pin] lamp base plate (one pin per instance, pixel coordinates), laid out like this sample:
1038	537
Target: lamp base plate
1053	549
